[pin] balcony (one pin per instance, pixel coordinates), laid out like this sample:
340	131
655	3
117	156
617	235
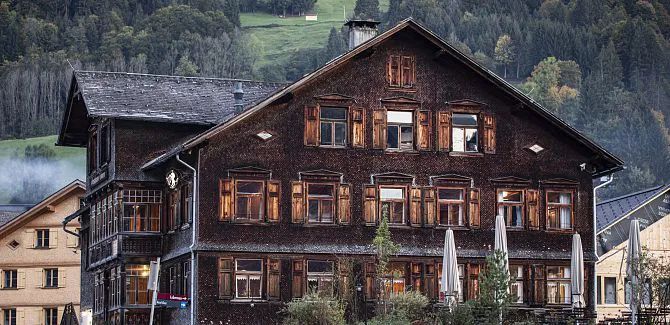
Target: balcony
126	244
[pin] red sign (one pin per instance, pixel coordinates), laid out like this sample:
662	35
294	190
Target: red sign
173	297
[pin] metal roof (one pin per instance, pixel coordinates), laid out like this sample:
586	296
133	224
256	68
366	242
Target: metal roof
610	211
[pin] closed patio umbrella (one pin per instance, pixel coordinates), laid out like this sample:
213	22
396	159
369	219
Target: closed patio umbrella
634	251
577	272
501	239
451	286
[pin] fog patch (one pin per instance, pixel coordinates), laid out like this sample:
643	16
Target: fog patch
30	180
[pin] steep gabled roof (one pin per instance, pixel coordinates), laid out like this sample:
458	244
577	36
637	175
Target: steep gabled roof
158	98
607	162
43	205
610	211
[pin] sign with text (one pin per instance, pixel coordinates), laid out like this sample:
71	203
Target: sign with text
648	214
169	300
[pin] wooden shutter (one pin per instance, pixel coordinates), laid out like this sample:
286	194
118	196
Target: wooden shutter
39	274
312	127
473	208
274	276
344	272
53	238
424	127
62	278
473	281
539	283
416	274
297	280
273	200
429	282
29	238
429	205
297	202
21	279
357	125
20	316
370	281
415	206
71	240
344	204
226	278
226	201
408	74
370	204
533	209
489	133
443	131
394	70
379	129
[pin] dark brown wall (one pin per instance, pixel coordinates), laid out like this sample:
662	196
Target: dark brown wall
438	81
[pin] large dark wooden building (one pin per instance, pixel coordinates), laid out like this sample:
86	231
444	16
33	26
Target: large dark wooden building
255	193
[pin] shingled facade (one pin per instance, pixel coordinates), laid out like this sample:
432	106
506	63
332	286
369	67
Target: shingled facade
292	181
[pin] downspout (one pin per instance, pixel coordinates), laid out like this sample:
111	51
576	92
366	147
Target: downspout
594	296
194	225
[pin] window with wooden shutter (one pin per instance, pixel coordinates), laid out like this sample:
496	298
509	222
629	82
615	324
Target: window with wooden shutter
297	202
370	204
415	206
416	276
273	200
429	204
379	129
357	122
424	129
443	131
408	72
312	126
473	208
274	276
225	278
297	279
344	204
533	209
489	133
226	200
538	284
429	288
394	70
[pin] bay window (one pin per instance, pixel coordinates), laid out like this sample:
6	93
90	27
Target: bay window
464	131
320	203
451	205
137	280
510	206
559	210
392	201
141	210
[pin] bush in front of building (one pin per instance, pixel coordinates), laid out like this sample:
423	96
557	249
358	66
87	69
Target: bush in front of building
411	305
314	309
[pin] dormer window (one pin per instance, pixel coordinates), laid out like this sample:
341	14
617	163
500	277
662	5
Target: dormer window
465	133
401	71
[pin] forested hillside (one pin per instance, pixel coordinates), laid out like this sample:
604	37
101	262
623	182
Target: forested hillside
601	65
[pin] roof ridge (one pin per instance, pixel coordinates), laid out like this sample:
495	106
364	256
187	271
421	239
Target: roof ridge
176	76
655	188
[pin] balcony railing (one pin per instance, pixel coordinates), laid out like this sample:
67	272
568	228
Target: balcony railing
124	244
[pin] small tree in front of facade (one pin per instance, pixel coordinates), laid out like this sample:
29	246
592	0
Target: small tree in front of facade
494	299
385	248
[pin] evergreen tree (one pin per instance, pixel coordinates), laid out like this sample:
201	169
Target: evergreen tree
186	68
335	45
367	9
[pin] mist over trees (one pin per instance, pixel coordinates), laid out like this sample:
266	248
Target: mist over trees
603	66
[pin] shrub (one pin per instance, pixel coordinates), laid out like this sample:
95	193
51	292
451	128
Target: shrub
314	310
461	314
410	305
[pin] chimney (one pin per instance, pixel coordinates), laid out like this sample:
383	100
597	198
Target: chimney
361	30
238	94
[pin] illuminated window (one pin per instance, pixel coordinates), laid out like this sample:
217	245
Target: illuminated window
137	280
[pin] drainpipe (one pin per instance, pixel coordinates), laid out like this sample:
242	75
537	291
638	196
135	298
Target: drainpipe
594	296
194	225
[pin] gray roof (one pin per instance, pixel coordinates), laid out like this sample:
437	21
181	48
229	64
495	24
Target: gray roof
7	216
192	100
609	211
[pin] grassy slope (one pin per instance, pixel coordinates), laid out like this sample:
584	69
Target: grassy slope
10	148
277	37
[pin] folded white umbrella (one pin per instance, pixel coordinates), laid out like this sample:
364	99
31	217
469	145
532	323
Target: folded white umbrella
577	272
501	239
451	286
634	251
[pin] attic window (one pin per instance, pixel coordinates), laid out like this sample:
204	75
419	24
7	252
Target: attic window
13	244
536	148
264	135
